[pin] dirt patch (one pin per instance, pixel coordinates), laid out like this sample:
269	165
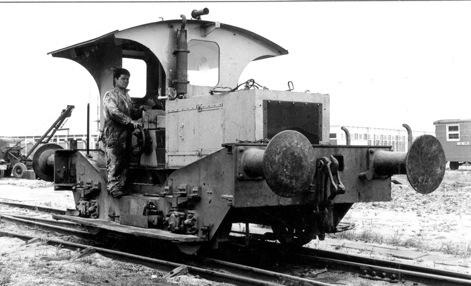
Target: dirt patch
42	264
35	192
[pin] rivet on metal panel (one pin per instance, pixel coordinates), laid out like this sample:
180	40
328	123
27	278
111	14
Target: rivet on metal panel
228	198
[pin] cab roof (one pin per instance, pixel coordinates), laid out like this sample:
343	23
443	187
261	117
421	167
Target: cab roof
237	47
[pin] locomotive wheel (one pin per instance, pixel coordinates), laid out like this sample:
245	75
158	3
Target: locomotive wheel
19	170
293	235
454	165
189	248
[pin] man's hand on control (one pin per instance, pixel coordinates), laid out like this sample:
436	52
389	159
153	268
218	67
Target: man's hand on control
134	124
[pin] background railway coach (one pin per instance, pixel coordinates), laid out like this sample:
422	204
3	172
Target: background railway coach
455	136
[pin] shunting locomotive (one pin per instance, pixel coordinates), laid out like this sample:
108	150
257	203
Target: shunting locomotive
212	152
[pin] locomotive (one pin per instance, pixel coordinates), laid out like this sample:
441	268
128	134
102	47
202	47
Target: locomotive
212	152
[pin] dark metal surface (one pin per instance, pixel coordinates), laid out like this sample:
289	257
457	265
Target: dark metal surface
425	164
304	117
289	164
196	14
181	54
252	160
43	161
130	230
409	134
347	135
388	163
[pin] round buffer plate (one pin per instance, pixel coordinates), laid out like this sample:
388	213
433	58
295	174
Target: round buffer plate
289	164
425	164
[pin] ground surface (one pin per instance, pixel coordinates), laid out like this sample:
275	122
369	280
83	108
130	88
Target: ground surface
433	230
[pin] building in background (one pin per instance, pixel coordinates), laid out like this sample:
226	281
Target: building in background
455	137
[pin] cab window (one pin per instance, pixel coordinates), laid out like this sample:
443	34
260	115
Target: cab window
203	63
138	80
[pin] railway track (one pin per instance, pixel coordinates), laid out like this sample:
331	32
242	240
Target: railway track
214	269
379	269
227	272
370	268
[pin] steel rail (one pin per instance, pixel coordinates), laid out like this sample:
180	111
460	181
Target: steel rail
48	221
33	207
48	225
390	266
212	275
368	268
431	278
294	280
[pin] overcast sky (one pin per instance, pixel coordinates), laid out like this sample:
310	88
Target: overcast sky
383	63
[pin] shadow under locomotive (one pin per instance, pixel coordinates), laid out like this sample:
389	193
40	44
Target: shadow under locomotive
209	156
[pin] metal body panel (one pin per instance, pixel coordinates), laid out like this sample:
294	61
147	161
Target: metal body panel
198	126
213	177
83	169
135	231
256	193
194	129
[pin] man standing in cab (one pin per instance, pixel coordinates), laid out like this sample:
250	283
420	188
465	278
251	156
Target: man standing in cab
119	117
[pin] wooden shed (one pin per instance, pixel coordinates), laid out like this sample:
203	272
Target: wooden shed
455	137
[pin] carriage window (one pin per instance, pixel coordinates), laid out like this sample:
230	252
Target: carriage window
203	63
453	132
138	80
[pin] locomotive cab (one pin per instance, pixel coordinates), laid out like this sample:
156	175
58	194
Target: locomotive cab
213	152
